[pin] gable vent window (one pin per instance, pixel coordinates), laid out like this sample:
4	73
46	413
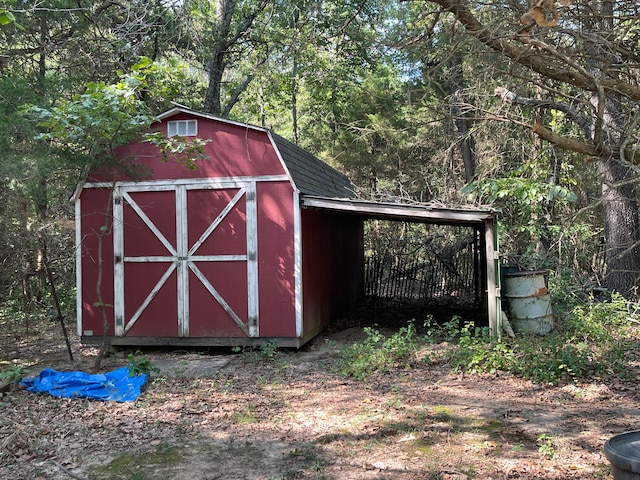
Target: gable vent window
182	128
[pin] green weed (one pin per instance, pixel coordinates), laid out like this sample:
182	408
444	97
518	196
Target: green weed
546	447
591	341
245	417
13	374
140	365
266	352
377	353
591	344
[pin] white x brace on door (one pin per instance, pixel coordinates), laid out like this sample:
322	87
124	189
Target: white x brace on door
146	204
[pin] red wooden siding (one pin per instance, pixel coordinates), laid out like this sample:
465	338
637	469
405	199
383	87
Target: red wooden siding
332	266
207	317
92	220
159	206
276	274
160	317
211	253
233	151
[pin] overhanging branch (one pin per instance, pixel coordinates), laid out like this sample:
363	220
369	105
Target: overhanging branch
548	104
532	57
569	143
588	149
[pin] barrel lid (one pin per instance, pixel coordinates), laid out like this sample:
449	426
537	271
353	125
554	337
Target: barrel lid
623	451
522	273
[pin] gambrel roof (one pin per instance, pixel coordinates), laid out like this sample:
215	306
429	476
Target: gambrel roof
309	174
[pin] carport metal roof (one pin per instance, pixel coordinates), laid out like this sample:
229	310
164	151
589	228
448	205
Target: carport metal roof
485	220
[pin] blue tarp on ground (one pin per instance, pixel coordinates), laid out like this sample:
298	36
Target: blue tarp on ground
116	385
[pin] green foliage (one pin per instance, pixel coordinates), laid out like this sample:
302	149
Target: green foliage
591	344
266	352
523	196
7	18
184	150
448	330
140	365
269	349
546	447
520	187
596	321
477	351
98	120
92	125
379	354
554	359
13	374
168	79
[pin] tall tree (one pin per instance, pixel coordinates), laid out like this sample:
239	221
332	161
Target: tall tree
445	79
49	51
463	116
619	196
223	34
589	68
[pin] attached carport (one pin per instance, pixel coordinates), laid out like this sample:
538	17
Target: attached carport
484	221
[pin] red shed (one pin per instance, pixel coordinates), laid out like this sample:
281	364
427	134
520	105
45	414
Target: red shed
220	255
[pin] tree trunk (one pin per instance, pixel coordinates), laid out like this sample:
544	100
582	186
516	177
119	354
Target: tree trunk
621	229
619	199
226	40
294	111
105	230
216	64
466	140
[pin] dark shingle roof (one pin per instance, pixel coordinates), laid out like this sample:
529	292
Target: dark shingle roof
311	175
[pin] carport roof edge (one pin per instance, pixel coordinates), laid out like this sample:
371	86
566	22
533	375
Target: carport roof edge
424	213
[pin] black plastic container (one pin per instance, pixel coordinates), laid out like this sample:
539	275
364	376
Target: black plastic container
623	451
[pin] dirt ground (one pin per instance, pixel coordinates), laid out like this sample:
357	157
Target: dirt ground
225	415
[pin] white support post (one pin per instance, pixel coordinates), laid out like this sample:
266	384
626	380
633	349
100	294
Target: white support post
182	250
118	264
252	260
297	246
79	292
493	278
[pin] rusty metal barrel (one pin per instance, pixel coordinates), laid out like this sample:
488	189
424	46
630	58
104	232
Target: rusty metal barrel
529	301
